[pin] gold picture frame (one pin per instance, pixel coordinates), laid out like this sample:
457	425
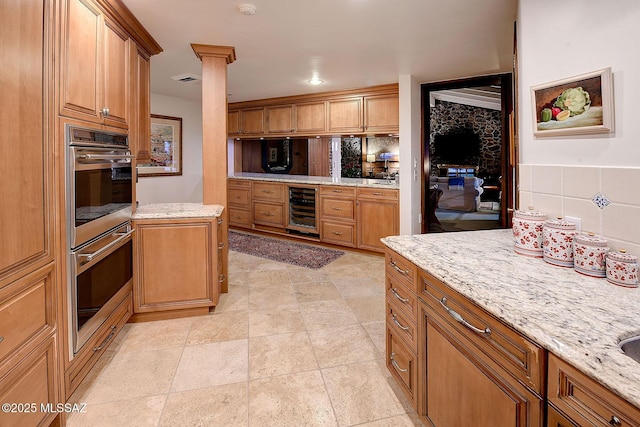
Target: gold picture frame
166	147
577	105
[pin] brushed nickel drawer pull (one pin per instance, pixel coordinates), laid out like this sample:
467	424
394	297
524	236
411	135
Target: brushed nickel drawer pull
337	209
337	233
404	328
398	269
106	340
395	364
486	331
221	245
267	213
377	193
615	421
1	339
395	293
337	191
267	191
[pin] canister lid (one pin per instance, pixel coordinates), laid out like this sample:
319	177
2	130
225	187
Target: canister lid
622	256
590	239
561	224
531	214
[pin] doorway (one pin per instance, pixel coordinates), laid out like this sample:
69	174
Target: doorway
468	154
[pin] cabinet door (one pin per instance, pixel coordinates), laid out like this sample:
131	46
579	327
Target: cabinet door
311	117
25	143
280	119
233	123
140	108
319	157
81	52
382	113
345	115
253	121
376	219
556	419
115	76
461	387
176	265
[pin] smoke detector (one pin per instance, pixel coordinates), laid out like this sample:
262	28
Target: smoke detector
247	9
184	78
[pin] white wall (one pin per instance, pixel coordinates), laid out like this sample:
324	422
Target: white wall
188	186
561	175
410	154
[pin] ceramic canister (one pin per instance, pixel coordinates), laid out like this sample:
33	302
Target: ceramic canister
622	269
589	254
557	242
527	232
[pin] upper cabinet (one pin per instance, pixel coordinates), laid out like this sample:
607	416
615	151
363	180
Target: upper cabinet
361	111
140	105
95	61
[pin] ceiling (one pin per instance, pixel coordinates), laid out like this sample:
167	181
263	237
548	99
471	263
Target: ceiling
346	43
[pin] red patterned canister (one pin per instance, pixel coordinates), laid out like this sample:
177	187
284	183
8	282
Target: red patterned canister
557	242
527	232
589	254
622	269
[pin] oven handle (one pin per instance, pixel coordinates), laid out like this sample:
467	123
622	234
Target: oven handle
103	249
106	156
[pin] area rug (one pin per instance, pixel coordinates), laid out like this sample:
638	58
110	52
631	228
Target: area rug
282	250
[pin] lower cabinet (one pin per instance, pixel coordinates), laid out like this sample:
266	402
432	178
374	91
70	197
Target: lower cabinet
378	216
177	266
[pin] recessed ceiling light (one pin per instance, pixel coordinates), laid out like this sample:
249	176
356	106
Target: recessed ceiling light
315	81
247	9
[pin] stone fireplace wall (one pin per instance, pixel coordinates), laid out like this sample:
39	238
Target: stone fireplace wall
486	123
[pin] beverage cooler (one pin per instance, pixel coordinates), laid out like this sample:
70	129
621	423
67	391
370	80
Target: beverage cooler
302	216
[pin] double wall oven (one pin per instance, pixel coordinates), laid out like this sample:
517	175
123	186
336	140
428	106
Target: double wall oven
99	236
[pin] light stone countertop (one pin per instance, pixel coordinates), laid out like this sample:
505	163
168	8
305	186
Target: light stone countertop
176	210
578	318
316	180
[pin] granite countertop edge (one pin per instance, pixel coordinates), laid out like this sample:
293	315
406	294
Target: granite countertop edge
176	211
580	319
317	180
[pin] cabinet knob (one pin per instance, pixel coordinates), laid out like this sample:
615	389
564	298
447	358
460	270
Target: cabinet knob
105	111
615	421
1	339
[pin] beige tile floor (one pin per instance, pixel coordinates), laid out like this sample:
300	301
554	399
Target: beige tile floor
287	346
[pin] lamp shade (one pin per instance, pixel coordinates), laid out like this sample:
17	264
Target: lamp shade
371	158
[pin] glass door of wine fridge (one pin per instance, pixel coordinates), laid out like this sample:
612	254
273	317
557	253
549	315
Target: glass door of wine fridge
302	209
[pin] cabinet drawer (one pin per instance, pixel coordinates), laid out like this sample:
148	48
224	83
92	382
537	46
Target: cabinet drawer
24	311
268	214
584	400
378	193
32	381
403	365
240	217
401	270
403	297
238	183
337	191
239	197
520	357
337	208
405	326
268	191
341	234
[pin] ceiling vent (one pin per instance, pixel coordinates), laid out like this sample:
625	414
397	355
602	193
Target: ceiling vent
186	78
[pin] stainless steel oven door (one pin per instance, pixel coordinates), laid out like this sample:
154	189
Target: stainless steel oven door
100	191
101	275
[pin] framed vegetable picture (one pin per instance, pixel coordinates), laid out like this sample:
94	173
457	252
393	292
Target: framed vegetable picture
166	147
577	105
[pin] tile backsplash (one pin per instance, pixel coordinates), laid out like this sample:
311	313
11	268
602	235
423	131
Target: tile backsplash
571	191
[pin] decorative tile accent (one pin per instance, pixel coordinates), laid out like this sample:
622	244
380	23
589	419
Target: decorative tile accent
600	201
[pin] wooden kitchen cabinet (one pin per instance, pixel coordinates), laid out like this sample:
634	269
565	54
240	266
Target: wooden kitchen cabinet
234	126
377	216
177	266
338	215
583	400
345	115
381	114
268	204
318	156
280	119
94	66
239	201
310	117
140	108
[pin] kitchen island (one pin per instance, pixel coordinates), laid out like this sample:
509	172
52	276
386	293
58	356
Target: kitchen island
350	212
576	319
177	251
